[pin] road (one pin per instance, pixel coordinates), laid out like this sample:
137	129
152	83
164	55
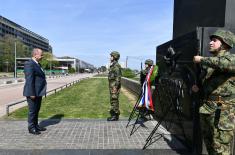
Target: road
14	92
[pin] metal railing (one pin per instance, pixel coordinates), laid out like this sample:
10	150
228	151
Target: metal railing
47	93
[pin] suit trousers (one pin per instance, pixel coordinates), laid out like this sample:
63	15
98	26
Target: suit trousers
33	110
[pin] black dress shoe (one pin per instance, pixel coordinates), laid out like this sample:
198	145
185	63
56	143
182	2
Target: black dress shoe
34	131
40	128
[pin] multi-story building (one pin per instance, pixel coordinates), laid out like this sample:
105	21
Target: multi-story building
28	37
64	63
77	64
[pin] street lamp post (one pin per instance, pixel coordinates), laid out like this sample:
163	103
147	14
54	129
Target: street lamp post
50	67
15	75
135	58
126	60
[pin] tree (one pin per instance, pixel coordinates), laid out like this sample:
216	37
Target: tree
127	72
71	70
22	50
48	62
7	52
103	68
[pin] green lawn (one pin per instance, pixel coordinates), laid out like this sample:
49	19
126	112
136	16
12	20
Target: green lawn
87	99
101	75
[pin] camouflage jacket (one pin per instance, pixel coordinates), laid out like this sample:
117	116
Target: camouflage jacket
114	75
220	81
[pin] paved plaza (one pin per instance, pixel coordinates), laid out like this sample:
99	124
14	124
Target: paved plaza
85	137
77	136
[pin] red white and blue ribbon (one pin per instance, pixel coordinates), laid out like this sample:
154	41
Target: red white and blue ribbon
146	99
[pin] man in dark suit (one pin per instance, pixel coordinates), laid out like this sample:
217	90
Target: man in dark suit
34	89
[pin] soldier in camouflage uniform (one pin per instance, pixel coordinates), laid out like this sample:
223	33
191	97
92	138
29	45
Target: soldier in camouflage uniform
218	106
114	78
148	63
143	111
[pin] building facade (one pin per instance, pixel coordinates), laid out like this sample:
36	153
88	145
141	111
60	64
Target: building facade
28	37
63	64
79	65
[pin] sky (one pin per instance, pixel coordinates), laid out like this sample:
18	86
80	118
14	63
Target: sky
90	29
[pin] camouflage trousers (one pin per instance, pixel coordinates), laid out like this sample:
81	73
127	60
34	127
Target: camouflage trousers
217	141
114	101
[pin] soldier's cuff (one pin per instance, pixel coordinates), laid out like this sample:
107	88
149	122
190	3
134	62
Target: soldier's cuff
204	61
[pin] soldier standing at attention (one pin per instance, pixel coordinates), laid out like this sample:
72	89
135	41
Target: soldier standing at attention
148	63
114	78
218	106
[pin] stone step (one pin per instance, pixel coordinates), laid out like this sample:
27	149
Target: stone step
94	152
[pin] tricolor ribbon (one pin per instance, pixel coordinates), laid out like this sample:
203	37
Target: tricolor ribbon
146	99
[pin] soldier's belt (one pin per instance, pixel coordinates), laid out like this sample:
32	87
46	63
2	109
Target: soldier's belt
218	98
220	101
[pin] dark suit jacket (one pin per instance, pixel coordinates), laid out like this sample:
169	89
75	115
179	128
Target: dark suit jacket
35	79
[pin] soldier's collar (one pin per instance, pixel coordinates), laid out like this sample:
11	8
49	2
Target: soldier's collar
222	53
114	62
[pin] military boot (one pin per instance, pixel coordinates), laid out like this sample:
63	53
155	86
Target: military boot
114	117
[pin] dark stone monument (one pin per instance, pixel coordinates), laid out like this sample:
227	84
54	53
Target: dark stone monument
189	14
194	22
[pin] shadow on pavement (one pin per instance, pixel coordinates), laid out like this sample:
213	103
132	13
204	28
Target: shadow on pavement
181	151
52	120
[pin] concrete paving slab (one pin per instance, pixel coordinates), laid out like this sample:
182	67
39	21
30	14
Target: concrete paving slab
85	137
